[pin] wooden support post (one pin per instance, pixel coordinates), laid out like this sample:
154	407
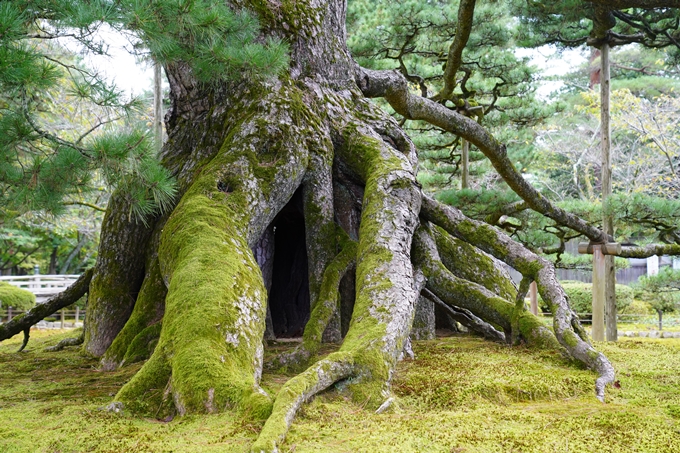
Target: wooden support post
598	294
465	164
607	221
63	317
533	297
9	314
77	314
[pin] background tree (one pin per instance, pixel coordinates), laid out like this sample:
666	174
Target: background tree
661	291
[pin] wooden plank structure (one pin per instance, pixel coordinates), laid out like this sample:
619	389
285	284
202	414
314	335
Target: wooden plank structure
43	286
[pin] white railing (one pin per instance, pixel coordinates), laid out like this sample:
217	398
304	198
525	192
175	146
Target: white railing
43	286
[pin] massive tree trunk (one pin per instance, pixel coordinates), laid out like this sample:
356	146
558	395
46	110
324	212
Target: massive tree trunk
289	189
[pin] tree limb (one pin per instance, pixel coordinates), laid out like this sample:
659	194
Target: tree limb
393	87
650	250
466	11
41	311
467	319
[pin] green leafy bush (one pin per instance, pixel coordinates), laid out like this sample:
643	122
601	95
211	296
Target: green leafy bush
639	307
581	297
11	296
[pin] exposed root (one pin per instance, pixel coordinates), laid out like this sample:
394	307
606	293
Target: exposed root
320	230
476	298
118	275
66	342
567	328
387	289
468	319
324	309
209	355
470	263
24	343
149	309
295	392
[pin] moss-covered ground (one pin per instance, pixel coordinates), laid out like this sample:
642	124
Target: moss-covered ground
461	394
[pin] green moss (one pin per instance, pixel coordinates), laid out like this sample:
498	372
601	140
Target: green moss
143	345
147	307
482	234
296	15
328	296
368	325
467	262
117	276
459	393
17	298
215	308
536	333
215	292
147	392
570	338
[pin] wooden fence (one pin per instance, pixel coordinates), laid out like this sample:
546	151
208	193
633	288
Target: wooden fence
43	286
62	319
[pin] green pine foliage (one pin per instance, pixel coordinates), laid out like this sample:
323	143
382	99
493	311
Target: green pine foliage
64	130
495	87
661	291
667	280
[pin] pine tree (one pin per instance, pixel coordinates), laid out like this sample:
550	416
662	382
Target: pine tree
301	161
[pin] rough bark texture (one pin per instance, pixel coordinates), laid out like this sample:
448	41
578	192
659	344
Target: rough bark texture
118	275
302	179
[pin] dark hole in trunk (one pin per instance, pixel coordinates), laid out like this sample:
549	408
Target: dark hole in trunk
289	295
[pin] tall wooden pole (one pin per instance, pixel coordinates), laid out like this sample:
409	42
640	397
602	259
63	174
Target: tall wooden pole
533	297
598	293
607	221
157	106
465	161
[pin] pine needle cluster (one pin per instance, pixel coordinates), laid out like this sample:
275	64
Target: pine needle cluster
64	129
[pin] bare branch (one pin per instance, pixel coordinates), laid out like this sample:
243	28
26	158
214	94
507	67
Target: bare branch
393	87
465	15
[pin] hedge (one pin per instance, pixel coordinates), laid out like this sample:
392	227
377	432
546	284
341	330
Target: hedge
11	296
581	297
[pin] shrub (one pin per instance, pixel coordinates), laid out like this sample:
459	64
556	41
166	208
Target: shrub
11	296
581	297
639	307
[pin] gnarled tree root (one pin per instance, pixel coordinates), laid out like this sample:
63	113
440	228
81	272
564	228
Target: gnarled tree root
209	355
295	392
567	327
148	310
66	342
324	308
471	296
467	319
387	288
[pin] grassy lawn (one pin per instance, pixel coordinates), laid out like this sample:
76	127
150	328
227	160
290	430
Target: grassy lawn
461	394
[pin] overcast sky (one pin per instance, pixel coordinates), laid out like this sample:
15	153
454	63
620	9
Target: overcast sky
120	66
135	77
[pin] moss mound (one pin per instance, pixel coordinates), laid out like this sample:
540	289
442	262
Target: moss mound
11	296
461	394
